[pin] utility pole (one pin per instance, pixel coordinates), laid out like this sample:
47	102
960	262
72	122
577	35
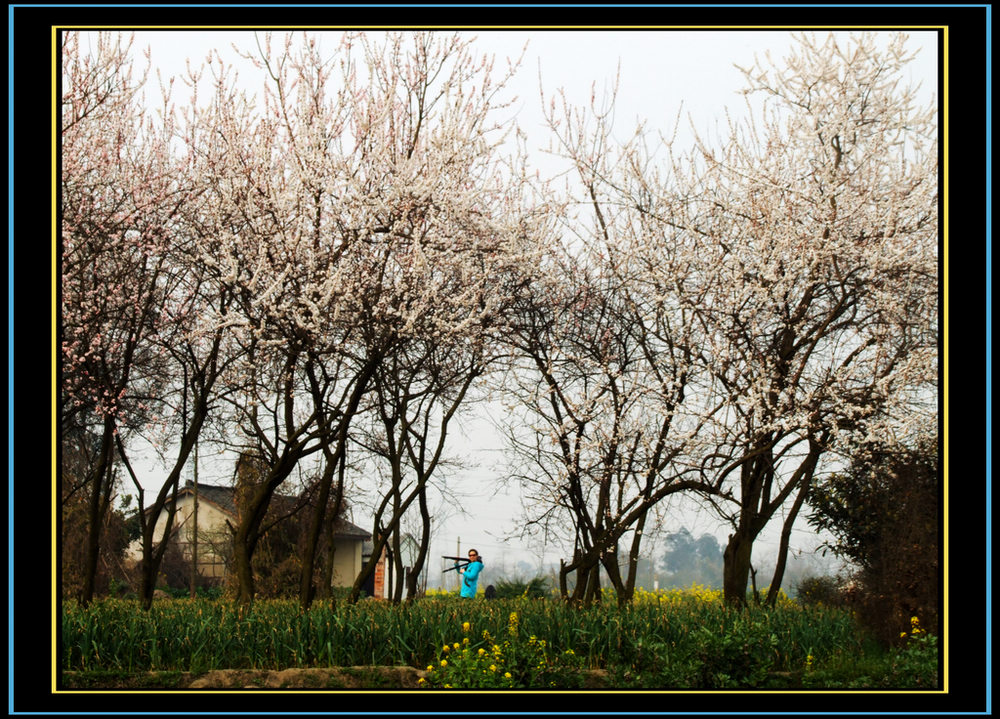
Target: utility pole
194	529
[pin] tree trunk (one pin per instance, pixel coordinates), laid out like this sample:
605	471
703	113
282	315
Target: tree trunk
333	460
307	589
425	542
610	563
786	530
736	567
326	583
101	474
593	582
325	589
152	556
242	557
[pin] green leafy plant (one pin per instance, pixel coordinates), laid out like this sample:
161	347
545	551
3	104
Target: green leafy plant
740	657
516	661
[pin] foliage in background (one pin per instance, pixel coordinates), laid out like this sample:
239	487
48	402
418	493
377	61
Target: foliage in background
883	514
534	588
828	591
692	560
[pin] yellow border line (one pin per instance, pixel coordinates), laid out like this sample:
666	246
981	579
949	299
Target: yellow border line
943	133
943	369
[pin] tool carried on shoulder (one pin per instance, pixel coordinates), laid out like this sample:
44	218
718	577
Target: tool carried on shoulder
460	563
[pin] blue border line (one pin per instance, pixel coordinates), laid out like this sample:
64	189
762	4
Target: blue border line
482	713
10	341
989	352
500	5
10	353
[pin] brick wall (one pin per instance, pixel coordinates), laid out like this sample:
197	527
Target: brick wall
380	577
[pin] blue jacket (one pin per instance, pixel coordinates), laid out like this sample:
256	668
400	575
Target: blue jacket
470	579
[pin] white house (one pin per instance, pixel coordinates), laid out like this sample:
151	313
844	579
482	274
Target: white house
216	511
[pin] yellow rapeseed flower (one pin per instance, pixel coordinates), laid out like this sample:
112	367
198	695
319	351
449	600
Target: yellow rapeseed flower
465	627
444	662
512	624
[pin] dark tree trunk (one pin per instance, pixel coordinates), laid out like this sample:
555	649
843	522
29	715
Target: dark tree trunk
307	590
425	541
333	460
242	558
736	567
805	481
100	477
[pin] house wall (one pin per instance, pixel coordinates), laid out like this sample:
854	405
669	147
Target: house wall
215	542
214	537
346	561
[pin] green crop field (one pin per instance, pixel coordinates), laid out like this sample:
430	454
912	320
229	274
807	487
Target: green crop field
676	639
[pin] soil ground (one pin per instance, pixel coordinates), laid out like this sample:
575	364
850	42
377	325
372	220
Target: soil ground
363	677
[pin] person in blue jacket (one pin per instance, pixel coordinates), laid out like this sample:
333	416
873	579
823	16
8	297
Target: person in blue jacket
470	574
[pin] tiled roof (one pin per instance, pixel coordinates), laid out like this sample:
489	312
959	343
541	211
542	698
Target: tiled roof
222	497
344	529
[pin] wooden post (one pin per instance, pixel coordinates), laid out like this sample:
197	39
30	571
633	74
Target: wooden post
194	529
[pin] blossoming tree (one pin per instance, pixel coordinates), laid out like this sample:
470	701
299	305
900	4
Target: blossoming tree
118	199
606	362
365	204
816	224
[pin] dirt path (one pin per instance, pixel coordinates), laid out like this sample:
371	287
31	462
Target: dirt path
333	678
363	677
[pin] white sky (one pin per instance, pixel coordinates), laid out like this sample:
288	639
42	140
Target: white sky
659	69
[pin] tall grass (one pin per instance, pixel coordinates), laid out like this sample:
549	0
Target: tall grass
199	635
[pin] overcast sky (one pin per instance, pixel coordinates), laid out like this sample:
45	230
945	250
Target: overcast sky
659	69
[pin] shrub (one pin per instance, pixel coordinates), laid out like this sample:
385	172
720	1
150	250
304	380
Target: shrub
884	515
914	665
512	589
655	665
826	591
739	658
